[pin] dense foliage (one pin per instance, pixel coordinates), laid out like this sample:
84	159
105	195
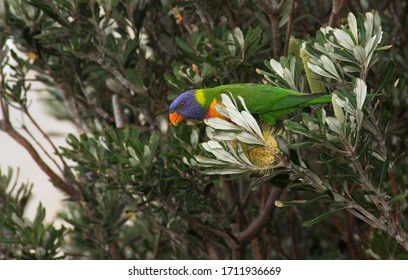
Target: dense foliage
334	184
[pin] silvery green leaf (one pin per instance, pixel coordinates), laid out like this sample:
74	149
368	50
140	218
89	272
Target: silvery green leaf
314	127
334	124
253	124
240	38
224	136
368	25
319	47
243	103
352	23
293	66
326	30
384	48
323	116
214	145
318	70
329	66
220	108
206	147
207	160
209	131
248	138
328	47
359	118
219	123
359	53
369	47
225	171
236	117
377	19
231	149
134	162
288	77
343	38
194	138
361	91
351	69
277	67
224	156
340	57
332	138
132	153
378	156
226	100
231	44
185	160
102	142
146	151
243	155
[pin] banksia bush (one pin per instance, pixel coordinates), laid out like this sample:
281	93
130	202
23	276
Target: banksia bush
327	182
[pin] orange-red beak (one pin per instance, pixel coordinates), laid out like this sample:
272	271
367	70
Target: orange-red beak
175	118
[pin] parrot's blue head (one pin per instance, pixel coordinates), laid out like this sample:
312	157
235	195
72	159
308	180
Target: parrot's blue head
186	106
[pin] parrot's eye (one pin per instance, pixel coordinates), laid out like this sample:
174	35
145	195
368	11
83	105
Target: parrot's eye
182	104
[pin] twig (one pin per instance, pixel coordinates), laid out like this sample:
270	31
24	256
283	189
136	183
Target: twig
289	28
273	12
395	192
110	69
157	245
335	10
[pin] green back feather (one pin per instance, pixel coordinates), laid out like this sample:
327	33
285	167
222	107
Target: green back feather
269	101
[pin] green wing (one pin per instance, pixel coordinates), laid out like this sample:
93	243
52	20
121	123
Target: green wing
269	101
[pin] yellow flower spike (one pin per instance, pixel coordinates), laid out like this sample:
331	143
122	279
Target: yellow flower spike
314	80
266	156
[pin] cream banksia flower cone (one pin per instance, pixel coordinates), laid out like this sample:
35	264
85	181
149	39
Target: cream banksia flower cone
264	156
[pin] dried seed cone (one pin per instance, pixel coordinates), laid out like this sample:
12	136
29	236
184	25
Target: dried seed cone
314	80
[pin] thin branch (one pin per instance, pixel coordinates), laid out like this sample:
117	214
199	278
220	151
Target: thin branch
262	220
289	28
337	4
6	126
395	193
273	12
110	69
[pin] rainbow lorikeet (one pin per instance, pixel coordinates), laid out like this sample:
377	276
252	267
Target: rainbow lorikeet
270	102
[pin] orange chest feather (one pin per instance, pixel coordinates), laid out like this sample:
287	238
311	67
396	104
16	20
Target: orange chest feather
212	112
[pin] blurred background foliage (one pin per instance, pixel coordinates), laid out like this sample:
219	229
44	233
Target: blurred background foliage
112	67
